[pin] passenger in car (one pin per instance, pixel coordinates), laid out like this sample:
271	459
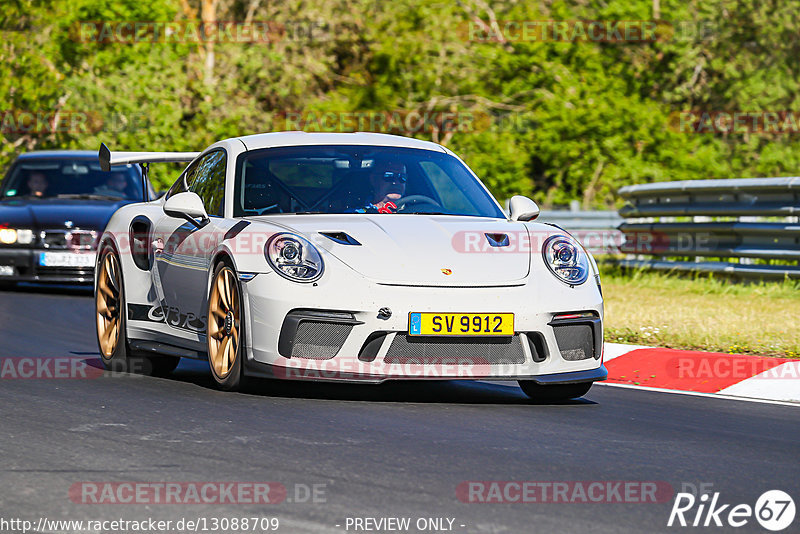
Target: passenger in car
114	186
37	184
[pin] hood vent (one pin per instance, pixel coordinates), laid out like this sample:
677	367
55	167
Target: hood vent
498	240
341	237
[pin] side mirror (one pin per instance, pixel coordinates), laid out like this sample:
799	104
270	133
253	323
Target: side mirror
523	208
187	206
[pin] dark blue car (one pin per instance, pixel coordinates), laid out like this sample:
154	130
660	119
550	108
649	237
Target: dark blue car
54	205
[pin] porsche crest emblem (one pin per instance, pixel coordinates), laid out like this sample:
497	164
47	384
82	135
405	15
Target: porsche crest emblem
447	272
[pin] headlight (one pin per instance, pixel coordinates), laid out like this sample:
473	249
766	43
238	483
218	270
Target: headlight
566	259
294	257
9	236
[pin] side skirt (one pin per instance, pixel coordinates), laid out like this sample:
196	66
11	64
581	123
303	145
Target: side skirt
164	349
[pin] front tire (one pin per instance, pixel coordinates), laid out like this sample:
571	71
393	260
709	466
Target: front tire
554	392
225	330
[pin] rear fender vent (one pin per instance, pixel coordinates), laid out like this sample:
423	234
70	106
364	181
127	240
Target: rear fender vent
141	248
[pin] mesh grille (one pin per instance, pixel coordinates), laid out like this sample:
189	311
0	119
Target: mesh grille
406	349
319	340
575	342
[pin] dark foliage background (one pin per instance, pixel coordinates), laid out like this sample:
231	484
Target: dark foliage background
559	121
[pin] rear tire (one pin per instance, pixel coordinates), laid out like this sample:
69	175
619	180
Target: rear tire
225	329
109	300
554	392
112	337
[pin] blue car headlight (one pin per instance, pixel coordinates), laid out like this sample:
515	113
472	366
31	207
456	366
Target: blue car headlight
294	257
566	259
11	236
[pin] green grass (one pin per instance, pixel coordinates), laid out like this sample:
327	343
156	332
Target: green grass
702	312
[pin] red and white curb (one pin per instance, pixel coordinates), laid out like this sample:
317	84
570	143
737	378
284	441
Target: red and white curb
718	374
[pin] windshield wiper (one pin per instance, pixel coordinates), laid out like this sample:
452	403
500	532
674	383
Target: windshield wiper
89	196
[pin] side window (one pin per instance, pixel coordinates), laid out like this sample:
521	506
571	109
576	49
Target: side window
185	181
209	181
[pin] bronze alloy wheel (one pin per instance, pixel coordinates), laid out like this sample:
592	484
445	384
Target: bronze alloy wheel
107	301
224	322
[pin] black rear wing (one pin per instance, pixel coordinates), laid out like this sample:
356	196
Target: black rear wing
143	159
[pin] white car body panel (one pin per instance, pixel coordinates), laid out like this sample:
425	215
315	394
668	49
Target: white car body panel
412	249
399	265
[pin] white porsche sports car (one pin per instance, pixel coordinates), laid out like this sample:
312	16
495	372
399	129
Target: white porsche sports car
345	257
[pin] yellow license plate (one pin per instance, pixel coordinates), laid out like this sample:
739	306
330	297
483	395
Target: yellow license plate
460	324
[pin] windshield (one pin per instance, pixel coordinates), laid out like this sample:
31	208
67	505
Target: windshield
71	178
357	179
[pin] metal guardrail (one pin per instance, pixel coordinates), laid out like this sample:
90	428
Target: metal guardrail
596	230
746	227
582	220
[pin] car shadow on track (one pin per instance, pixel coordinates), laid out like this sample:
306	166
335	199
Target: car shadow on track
406	391
49	289
416	391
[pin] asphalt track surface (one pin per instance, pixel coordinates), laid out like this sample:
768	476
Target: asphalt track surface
395	450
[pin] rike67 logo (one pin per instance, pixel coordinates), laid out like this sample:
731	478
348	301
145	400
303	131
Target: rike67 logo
774	510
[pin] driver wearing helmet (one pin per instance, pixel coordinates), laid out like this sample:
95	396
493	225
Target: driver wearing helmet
388	181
